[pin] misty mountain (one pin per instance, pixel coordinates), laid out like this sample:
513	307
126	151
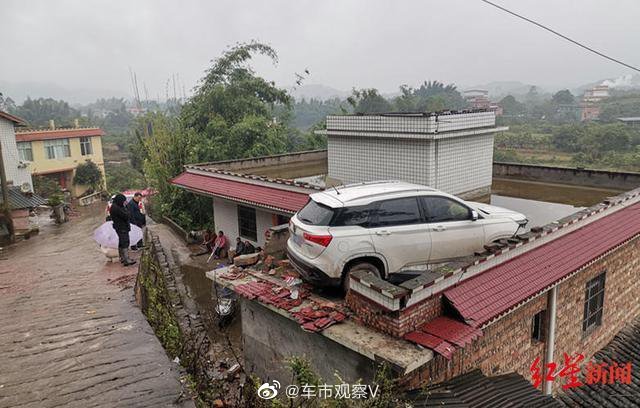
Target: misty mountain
499	89
317	91
19	91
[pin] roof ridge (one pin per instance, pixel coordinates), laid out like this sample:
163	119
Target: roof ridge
58	129
275	180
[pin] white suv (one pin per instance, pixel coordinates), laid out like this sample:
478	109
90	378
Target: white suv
384	227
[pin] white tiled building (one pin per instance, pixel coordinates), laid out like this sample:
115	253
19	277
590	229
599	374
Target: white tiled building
17	172
452	152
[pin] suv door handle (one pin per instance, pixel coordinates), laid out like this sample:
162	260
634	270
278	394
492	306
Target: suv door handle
384	233
439	228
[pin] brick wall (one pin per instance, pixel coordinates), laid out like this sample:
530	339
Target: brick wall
507	346
395	323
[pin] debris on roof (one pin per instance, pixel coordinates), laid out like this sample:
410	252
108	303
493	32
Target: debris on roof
475	390
624	348
312	316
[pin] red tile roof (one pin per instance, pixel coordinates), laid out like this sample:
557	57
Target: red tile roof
16	120
441	333
493	292
32	135
241	190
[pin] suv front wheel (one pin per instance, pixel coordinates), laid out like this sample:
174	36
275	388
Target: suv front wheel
360	266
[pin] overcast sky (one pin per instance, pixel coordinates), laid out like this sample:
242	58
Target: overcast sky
91	44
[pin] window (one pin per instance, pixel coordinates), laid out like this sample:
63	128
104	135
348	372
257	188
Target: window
352	216
315	214
537	326
57	149
247	223
401	211
85	146
443	209
25	153
593	303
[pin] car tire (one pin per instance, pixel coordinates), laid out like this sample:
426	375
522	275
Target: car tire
361	266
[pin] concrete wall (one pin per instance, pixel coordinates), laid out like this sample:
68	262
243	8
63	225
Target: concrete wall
581	177
275	160
506	345
225	217
15	174
269	339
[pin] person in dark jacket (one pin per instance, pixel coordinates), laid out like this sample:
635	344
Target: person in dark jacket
136	217
120	218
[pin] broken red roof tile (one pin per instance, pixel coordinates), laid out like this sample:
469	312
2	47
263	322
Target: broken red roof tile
451	330
445	349
423	339
493	292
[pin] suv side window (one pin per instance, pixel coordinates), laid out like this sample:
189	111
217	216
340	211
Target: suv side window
352	216
400	211
443	209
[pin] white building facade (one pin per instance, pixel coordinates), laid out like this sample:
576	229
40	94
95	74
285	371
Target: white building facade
16	169
452	152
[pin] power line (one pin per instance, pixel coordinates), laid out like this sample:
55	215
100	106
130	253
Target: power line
561	35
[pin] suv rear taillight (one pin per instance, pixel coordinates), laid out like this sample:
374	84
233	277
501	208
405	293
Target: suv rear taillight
322	240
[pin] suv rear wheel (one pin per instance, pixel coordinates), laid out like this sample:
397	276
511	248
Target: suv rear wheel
361	266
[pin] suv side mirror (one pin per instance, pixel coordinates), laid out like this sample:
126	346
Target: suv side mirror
474	215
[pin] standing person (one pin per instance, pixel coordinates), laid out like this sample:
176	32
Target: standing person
136	216
120	218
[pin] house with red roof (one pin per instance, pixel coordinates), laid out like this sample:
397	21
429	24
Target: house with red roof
56	153
252	195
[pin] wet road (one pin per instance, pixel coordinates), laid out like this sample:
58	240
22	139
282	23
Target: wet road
70	332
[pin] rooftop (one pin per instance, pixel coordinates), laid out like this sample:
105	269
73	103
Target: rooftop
49	134
625	347
19	200
474	389
16	120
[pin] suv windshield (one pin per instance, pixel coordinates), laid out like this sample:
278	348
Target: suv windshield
315	214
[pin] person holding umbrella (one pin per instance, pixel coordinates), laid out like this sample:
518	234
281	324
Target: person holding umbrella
120	218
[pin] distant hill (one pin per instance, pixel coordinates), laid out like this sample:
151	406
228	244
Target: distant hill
19	91
317	91
499	89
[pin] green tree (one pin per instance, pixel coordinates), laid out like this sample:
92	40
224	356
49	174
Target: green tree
564	97
39	111
368	101
511	106
88	174
124	177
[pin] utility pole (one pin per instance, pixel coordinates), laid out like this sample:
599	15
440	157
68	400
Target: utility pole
6	206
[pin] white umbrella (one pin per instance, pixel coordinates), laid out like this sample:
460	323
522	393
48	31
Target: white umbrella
107	237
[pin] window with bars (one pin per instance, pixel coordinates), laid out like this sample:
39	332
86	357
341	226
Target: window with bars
85	146
247	223
593	303
25	152
57	149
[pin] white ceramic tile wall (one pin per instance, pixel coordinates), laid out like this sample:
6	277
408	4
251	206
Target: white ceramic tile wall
455	165
411	124
358	159
15	174
464	163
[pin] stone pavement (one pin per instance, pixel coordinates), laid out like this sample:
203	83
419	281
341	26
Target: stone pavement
70	332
